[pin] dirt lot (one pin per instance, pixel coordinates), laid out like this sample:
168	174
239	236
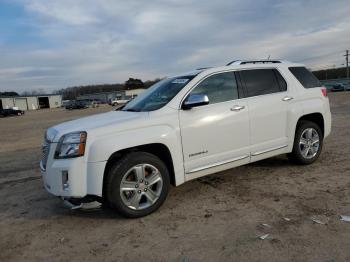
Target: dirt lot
216	218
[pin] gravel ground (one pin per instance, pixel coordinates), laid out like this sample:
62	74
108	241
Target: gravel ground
215	218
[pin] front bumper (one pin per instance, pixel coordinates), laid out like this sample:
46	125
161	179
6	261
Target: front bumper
73	177
65	177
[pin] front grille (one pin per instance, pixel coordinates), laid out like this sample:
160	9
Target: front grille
45	153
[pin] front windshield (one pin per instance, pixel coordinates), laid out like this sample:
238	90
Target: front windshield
158	95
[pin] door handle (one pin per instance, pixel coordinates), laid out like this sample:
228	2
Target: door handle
287	98
237	108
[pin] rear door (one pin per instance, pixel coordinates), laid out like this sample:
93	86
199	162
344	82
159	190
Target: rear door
268	100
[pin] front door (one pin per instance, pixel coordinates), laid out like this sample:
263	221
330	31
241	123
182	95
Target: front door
215	136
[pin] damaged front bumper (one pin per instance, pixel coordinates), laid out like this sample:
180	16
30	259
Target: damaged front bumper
85	203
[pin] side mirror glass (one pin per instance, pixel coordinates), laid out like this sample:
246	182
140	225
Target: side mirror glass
194	101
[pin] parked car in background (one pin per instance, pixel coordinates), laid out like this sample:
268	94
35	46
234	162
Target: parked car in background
65	103
11	112
75	104
185	127
116	101
91	102
338	87
328	86
95	103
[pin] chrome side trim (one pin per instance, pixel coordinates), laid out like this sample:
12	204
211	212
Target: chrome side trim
42	169
217	164
268	150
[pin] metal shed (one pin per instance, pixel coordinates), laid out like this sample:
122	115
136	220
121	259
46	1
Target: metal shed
106	97
21	103
55	101
31	102
6	102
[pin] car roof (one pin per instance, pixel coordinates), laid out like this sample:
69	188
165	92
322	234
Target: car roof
242	64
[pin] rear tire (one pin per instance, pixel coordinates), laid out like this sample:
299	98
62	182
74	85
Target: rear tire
308	142
137	184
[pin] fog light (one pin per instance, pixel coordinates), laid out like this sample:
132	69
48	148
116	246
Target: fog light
65	183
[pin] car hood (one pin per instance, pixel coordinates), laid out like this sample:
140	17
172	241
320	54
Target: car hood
115	120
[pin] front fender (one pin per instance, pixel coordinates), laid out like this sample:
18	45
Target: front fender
103	147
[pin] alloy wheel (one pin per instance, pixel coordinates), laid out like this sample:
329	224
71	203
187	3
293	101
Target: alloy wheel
141	186
309	143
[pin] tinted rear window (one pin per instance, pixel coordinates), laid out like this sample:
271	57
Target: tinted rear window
305	77
261	82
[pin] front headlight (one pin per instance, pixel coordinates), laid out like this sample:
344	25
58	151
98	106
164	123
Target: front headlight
71	145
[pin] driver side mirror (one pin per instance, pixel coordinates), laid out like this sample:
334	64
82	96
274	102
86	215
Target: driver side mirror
194	101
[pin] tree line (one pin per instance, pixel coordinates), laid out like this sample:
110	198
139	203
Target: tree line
71	93
333	73
9	93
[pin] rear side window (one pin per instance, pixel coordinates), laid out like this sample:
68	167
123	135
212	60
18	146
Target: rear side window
219	88
305	77
262	81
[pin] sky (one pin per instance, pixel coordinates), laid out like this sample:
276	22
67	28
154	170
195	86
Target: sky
52	44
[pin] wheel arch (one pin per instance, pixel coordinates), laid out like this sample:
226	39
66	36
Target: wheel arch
158	149
316	118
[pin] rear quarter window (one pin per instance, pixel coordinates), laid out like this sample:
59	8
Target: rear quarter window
305	77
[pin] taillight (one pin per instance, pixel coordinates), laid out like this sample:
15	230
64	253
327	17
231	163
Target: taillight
324	91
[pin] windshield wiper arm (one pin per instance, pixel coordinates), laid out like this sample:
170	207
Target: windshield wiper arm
131	110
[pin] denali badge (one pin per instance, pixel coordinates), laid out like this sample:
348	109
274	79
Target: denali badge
199	153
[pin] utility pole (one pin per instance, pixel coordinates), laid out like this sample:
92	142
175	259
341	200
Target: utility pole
347	63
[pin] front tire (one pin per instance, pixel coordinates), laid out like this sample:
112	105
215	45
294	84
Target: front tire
137	184
308	142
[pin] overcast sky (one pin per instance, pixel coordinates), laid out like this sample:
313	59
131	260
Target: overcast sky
52	44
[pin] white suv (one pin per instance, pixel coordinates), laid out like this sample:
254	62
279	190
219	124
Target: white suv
185	127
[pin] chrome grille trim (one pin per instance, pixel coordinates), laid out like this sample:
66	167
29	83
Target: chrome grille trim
45	153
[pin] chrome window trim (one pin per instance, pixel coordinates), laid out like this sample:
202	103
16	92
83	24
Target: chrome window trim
233	71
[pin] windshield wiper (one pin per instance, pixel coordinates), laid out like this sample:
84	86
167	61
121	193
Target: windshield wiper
131	110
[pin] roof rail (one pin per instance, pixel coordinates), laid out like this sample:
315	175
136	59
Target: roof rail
243	62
